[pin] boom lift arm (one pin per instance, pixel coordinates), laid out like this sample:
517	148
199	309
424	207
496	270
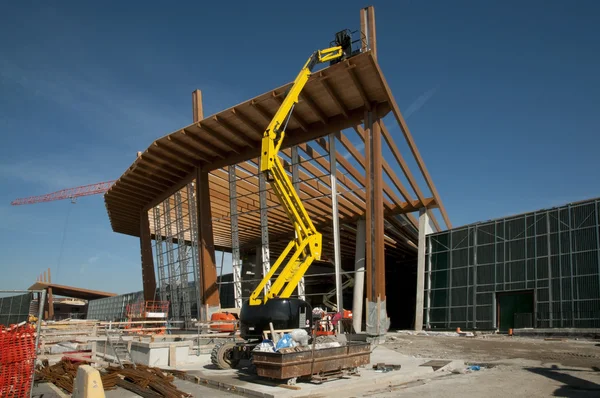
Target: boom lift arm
306	246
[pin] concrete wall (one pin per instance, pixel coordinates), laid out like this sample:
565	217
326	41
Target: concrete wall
158	354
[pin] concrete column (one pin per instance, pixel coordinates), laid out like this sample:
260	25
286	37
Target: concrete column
359	276
425	229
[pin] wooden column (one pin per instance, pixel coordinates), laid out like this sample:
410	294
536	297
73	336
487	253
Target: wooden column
148	276
378	198
375	259
197	109
50	304
206	247
367	27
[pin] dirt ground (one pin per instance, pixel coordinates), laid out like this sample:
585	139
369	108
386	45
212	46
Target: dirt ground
489	348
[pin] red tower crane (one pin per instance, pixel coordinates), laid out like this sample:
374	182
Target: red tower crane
69	193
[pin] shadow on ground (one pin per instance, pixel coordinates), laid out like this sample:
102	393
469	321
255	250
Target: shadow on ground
573	386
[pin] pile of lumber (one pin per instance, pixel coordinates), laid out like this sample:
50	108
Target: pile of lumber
145	381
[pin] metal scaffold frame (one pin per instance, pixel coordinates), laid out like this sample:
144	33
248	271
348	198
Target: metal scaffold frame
175	249
236	261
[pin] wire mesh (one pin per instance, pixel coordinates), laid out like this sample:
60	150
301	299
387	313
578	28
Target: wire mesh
555	254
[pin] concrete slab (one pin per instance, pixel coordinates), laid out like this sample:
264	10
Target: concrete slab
244	382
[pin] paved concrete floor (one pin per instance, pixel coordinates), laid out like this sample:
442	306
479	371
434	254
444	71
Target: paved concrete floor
244	379
532	380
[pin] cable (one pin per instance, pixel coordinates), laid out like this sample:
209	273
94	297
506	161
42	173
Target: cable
64	236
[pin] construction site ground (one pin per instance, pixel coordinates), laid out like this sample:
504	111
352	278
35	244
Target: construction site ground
521	367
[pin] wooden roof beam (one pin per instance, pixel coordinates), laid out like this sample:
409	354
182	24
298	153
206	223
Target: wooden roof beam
162	172
174	166
235	131
305	96
336	98
174	154
295	116
181	147
404	166
410	140
204	145
246	120
313	192
267	117
146	191
297	136
223	140
359	87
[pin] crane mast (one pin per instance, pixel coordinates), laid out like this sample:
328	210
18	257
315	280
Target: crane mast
307	244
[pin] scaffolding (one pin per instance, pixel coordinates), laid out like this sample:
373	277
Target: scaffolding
554	254
176	249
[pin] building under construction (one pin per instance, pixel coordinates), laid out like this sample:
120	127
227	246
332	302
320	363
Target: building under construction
199	189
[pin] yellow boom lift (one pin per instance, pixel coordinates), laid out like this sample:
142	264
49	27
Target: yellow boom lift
276	306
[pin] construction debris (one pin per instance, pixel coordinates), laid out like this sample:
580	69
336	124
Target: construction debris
145	381
62	374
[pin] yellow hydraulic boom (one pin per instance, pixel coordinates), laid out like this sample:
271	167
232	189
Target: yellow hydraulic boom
306	246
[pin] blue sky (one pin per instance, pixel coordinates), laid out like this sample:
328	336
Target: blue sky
501	96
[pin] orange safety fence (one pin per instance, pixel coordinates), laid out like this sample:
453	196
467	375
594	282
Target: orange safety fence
142	308
17	357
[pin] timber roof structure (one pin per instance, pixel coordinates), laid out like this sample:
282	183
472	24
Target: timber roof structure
71	291
335	98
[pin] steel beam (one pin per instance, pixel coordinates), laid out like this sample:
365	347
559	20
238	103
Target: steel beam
337	256
173	282
191	194
549	256
295	158
424	230
183	259
264	228
158	239
359	276
236	260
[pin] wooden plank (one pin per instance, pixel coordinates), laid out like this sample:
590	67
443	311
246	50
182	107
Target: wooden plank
411	143
379	266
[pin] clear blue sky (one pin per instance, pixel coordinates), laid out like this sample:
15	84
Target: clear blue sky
502	98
